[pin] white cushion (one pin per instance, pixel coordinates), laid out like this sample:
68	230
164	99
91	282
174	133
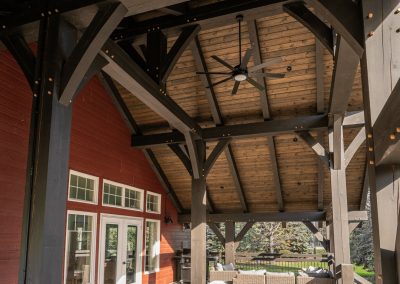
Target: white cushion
280	273
228	267
247	272
219	267
218	282
260	272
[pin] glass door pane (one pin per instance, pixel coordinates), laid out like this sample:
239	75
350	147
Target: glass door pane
131	246
111	254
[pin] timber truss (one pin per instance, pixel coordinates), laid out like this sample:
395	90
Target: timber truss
134	54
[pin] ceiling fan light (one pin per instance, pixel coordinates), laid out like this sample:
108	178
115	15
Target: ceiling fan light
240	77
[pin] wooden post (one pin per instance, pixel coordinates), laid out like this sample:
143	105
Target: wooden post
45	254
229	242
199	220
340	242
379	77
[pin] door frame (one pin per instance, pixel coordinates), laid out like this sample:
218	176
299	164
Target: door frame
139	221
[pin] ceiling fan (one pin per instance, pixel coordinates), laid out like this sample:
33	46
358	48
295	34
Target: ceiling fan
241	72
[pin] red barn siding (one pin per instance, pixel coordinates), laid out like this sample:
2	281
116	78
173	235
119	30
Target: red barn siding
100	146
15	105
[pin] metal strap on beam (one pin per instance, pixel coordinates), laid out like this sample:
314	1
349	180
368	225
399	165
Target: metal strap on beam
303	15
124	70
79	62
218	149
184	39
261	217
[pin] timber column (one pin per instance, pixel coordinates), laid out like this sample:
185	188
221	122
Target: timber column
381	96
198	214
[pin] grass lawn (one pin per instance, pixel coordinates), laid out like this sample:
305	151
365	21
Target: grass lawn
367	274
281	266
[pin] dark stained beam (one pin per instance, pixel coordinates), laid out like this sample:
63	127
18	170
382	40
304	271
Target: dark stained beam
201	66
346	63
314	230
254	39
22	53
239	237
132	125
44	257
316	146
195	156
261	217
207	16
387	130
217	118
365	189
180	45
35	12
137	56
97	65
354	146
337	134
230	242
354	119
124	70
182	156
217	232
86	50
212	158
319	73
302	14
345	17
272	127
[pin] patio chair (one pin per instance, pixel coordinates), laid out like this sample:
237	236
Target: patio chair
249	279
222	275
314	280
280	278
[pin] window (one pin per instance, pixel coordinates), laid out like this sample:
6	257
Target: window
82	187
119	195
153	202
152	257
80	247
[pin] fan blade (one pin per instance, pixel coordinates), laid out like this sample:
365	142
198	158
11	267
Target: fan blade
255	84
222	62
269	75
246	58
235	88
213	73
266	63
220	82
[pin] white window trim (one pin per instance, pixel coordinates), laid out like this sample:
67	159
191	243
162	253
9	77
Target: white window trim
158	246
123	196
159	202
93	245
95	187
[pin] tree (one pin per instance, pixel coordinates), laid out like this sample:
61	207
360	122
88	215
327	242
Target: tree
361	243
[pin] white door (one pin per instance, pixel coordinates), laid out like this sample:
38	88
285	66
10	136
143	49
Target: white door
120	250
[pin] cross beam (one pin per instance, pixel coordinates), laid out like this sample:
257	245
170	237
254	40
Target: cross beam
272	127
261	217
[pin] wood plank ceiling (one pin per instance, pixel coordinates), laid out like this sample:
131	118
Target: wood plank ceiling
279	36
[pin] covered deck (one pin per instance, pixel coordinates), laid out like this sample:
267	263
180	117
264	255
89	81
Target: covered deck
305	142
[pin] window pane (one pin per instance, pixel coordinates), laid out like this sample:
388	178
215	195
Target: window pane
112	195
152	203
82	188
79	254
111	254
152	246
132	198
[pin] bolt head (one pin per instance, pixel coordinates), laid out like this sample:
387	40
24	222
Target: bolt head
370	15
370	34
392	136
3	26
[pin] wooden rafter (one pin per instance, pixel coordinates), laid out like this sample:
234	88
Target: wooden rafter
254	39
124	70
217	118
302	14
89	45
132	125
